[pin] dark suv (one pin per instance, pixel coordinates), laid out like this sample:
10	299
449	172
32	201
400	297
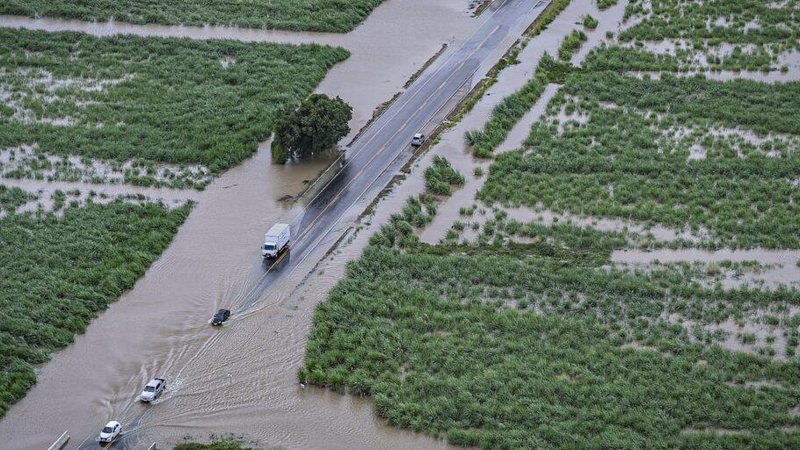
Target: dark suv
221	316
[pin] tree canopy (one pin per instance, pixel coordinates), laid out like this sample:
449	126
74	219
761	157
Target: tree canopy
313	127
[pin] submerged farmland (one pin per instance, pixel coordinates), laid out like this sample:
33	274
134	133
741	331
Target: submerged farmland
298	15
525	331
204	104
57	273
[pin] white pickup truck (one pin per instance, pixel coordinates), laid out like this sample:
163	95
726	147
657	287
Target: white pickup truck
153	389
276	240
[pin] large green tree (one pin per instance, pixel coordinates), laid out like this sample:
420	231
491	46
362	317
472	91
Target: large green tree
315	126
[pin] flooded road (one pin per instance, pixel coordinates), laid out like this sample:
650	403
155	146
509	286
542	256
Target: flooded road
238	379
241	379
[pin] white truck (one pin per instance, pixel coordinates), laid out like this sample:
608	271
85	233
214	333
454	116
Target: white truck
276	241
153	389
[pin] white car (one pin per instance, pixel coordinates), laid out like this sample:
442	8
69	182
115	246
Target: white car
110	432
153	390
418	139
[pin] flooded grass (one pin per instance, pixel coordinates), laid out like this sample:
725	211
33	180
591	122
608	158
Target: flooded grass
721	35
678	19
501	340
429	333
162	100
222	445
28	162
296	15
12	198
58	273
619	163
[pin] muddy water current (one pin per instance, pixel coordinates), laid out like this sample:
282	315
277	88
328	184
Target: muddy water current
239	379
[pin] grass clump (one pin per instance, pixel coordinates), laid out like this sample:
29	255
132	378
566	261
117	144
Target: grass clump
440	177
297	15
12	198
418	211
164	100
56	274
571	44
605	4
399	231
590	22
504	117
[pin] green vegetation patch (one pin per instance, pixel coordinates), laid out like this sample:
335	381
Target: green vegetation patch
734	21
645	150
12	198
223	445
719	34
572	43
605	4
440	177
504	117
56	274
299	15
531	352
164	100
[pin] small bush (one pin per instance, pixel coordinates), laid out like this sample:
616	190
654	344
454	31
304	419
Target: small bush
440	177
605	4
590	22
571	44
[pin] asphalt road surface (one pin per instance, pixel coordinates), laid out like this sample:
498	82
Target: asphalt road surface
372	160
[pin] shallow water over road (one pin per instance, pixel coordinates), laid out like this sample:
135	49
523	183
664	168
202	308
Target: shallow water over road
238	379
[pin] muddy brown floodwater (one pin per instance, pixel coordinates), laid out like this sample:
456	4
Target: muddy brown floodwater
239	379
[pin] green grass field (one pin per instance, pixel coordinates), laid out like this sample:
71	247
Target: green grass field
732	21
160	100
56	274
298	15
528	335
12	198
626	162
509	351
